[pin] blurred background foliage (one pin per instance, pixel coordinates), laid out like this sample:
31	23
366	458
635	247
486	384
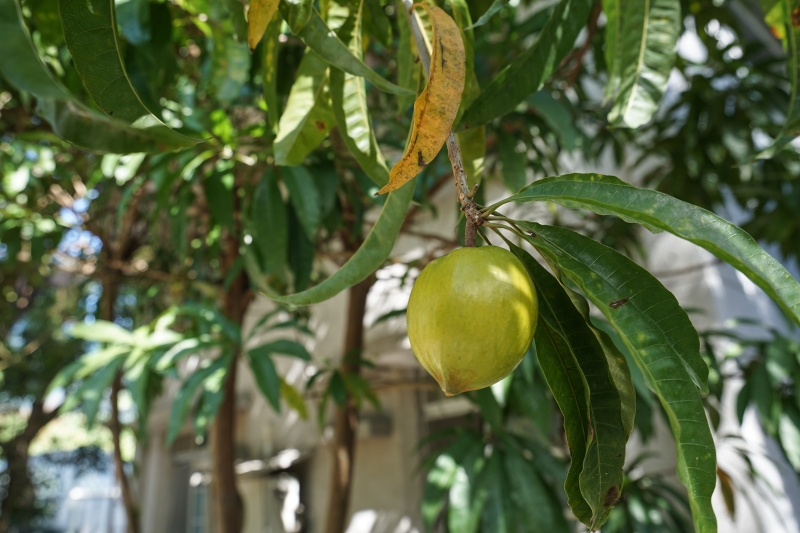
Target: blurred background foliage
164	244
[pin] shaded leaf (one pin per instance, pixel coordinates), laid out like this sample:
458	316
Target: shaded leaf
408	69
266	375
185	395
528	72
304	197
90	34
662	340
496	6
270	225
601	476
531	497
369	257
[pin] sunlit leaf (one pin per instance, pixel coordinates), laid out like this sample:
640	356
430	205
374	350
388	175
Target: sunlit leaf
349	99
259	15
436	108
646	42
610	196
308	116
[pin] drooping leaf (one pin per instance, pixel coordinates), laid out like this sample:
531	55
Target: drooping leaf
259	16
436	108
786	11
294	399
287	347
301	254
271	225
369	257
266	375
789	431
515	162
269	71
307	117
658	211
183	400
498	514
91	36
531	497
472	142
324	42
71	120
531	69
647	38
185	347
467	495
601	476
408	69
349	99
660	337
442	476
496	6
612	11
219	197
304	197
297	13
92	392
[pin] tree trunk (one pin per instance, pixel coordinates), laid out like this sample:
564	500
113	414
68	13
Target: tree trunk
229	509
111	281
344	431
19	503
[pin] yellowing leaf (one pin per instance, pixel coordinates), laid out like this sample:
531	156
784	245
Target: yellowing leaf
258	17
436	108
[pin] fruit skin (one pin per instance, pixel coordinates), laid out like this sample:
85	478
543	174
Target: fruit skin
471	317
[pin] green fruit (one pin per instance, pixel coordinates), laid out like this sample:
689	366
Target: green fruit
471	317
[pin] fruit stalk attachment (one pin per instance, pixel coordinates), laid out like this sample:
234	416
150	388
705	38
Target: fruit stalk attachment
468	206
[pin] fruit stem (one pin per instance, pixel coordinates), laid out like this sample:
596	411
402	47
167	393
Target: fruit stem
468	206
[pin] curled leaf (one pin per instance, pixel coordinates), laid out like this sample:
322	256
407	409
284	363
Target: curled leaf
436	108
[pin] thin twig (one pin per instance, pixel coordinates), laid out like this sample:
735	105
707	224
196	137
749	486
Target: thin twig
471	210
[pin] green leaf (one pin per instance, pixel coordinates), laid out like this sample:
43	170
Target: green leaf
325	44
662	340
297	13
490	409
498	515
93	389
789	431
294	399
515	162
601	475
467	496
528	72
229	67
496	6
183	399
647	38
102	331
287	347
655	210
266	375
308	116
185	347
301	254
791	42
71	120
557	117
612	11
369	257
219	196
349	99
210	399
566	381
442	475
531	497
304	197
90	34
270	224
472	142
269	71
408	68
337	389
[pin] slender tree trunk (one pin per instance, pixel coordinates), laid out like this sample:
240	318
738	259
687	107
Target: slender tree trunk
19	503
229	509
344	431
111	281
